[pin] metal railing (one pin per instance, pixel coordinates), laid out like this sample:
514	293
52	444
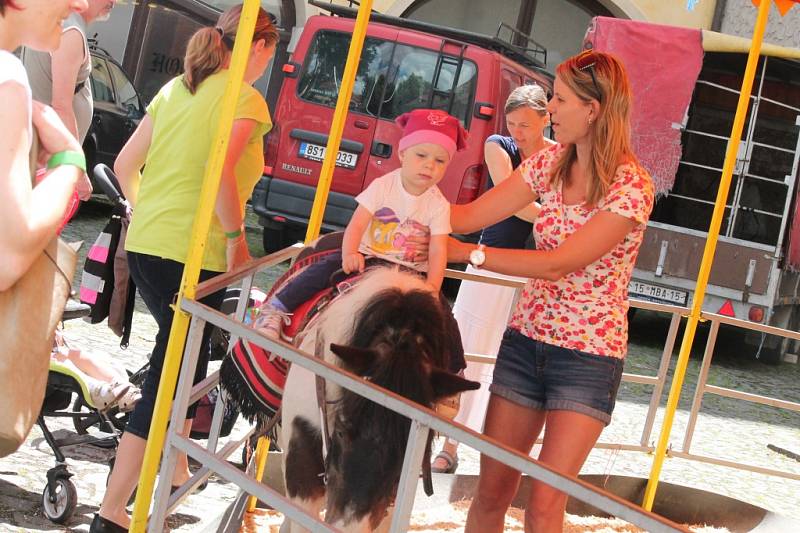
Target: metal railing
422	420
658	381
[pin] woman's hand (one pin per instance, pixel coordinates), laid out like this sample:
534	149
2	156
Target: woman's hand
237	253
84	186
353	263
418	243
458	251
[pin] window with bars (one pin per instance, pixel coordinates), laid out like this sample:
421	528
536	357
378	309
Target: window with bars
762	185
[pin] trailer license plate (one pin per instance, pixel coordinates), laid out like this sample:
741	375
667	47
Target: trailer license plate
316	152
646	291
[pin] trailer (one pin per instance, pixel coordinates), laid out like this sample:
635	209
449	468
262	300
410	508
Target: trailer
755	275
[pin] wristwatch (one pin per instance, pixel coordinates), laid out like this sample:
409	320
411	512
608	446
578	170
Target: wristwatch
477	257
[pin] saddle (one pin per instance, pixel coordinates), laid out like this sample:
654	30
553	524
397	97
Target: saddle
253	377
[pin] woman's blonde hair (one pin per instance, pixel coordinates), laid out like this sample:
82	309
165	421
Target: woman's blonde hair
599	76
209	47
530	95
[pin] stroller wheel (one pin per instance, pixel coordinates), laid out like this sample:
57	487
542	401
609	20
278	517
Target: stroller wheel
92	418
59	503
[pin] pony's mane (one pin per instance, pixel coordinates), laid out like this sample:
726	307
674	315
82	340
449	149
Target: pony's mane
340	318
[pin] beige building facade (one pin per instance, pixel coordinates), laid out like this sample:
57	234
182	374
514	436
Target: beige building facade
558	25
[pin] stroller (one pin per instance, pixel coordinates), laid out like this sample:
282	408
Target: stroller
67	396
59	496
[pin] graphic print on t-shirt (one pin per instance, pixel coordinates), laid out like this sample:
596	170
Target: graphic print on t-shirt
388	235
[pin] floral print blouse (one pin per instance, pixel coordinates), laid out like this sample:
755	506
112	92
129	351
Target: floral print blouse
585	310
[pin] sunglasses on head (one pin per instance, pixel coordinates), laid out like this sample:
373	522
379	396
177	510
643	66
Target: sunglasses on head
585	62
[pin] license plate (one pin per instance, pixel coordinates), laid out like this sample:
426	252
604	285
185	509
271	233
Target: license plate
656	293
316	152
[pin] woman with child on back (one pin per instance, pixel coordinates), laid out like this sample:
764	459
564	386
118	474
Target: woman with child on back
401	205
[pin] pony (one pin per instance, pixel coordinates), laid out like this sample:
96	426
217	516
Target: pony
388	328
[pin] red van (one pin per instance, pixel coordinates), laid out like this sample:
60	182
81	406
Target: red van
404	65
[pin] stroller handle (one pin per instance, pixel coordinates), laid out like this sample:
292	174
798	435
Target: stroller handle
108	183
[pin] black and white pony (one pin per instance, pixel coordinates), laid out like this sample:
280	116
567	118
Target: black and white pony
390	329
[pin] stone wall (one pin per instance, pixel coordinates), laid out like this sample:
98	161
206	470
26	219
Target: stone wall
740	16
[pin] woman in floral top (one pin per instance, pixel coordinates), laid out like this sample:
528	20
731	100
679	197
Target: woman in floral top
560	361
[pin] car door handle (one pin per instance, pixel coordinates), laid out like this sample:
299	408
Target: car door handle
381	149
361	124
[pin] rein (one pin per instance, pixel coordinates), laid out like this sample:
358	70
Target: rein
322	402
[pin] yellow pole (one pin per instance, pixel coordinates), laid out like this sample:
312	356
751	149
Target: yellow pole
191	272
708	254
262	452
334	139
337	126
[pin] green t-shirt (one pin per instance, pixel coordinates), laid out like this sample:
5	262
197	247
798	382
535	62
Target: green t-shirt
169	192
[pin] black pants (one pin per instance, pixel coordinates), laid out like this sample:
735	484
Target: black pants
158	280
315	278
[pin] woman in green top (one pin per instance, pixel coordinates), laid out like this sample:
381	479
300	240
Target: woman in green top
172	143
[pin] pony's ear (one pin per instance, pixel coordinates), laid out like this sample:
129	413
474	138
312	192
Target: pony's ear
445	384
357	360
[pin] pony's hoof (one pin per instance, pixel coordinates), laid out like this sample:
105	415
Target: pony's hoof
450	463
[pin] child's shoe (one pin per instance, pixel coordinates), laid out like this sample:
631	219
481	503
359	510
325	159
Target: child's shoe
105	395
271	320
128	400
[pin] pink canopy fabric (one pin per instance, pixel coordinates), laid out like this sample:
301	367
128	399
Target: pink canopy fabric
663	63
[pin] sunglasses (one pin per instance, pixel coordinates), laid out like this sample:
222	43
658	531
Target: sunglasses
585	62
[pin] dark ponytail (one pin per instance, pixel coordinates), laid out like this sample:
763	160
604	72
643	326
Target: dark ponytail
209	48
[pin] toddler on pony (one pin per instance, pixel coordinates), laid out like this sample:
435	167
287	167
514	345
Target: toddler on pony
401	204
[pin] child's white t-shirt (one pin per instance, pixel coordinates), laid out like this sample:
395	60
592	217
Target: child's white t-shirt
396	215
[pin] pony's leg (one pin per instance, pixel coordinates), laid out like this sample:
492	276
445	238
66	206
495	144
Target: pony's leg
303	468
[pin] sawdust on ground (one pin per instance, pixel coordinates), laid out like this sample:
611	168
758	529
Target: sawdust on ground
451	519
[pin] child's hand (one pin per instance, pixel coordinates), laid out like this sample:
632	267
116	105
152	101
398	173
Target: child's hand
353	263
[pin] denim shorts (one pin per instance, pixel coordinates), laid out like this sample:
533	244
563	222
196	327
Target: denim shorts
542	376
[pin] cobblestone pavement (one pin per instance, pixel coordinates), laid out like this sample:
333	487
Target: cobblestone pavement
727	429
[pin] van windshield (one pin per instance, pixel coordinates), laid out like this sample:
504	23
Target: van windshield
391	79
